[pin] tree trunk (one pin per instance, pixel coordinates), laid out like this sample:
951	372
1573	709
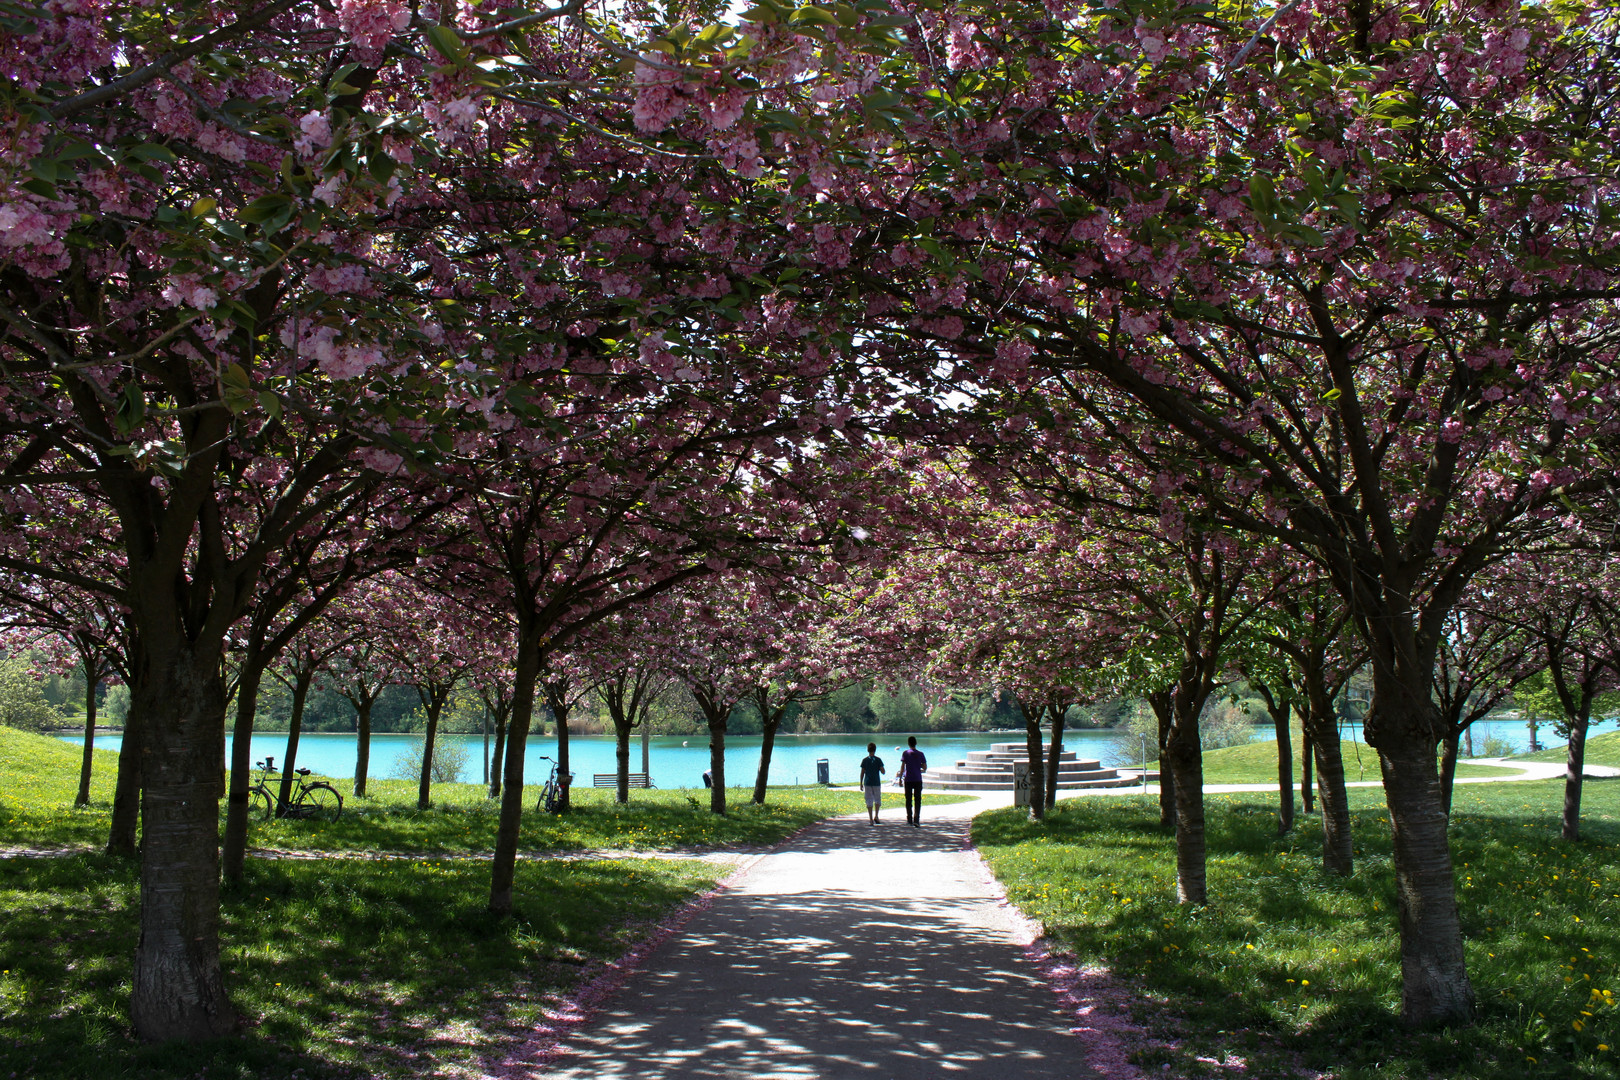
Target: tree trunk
1034	746
503	863
717	762
565	773
1434	974
126	808
295	727
1338	849
1160	701
621	755
1307	782
424	783
770	720
1185	758
646	744
234	853
1054	754
1448	769
1281	722
1575	766
1326	755
178	991
499	756
88	760
362	745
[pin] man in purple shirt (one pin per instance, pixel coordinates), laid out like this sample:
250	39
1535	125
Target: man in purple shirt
912	766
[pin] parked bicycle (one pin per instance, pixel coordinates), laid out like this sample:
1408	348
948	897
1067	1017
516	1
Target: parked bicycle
551	792
319	800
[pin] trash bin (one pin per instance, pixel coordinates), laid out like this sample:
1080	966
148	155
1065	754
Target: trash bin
823	771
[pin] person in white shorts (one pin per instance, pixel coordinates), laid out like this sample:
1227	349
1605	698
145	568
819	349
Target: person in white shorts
872	771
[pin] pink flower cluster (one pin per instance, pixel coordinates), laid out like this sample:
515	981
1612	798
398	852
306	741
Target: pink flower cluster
370	24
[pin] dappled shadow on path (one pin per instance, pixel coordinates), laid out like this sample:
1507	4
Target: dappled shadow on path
825	963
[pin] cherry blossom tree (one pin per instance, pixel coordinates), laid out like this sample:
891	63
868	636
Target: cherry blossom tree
1349	262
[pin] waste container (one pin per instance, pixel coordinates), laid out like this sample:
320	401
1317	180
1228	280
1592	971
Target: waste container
823	771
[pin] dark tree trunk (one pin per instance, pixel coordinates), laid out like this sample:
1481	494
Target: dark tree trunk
1160	701
501	723
126	808
621	753
234	853
1327	757
1054	754
1574	767
565	773
1033	747
424	783
1307	779
88	760
503	864
1448	769
770	721
1434	975
717	762
1338	849
178	991
1281	712
295	727
362	745
1185	758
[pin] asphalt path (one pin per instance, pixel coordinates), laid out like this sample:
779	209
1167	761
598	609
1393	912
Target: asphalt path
853	950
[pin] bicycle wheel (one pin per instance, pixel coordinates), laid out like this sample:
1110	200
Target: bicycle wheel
321	802
261	807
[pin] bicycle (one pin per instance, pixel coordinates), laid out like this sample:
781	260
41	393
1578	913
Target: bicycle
551	792
318	801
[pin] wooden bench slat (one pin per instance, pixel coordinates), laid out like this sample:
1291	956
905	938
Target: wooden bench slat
607	780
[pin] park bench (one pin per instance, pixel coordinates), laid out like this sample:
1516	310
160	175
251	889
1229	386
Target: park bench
607	779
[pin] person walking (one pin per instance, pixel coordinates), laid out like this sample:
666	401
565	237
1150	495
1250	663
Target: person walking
912	766
872	771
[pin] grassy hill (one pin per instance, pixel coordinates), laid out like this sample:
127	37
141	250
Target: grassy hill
1600	750
1256	763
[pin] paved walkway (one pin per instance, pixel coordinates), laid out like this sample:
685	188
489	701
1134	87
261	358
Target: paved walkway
853	950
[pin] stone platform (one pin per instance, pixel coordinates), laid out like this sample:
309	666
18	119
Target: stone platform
992	770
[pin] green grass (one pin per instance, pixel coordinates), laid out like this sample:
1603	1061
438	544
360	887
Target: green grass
342	968
39	777
1289	966
1600	750
1256	763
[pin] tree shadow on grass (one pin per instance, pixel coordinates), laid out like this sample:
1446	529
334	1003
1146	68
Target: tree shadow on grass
339	968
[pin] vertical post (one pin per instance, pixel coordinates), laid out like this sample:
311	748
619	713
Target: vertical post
1144	763
646	745
1020	783
486	744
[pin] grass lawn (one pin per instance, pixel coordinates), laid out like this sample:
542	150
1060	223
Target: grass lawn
1289	967
343	968
39	777
1600	750
1256	763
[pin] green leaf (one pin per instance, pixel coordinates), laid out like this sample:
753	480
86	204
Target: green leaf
271	404
447	43
203	206
150	152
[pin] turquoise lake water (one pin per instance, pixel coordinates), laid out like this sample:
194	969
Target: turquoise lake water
680	760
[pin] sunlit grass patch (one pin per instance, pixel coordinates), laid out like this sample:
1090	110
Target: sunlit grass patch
1288	965
341	967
